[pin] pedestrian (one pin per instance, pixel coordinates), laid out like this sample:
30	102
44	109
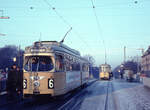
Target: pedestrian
34	65
12	82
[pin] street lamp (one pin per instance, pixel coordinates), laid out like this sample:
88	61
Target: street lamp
14	59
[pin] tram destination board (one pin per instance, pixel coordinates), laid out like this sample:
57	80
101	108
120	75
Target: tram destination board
33	50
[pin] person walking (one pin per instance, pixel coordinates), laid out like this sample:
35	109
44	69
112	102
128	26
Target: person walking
12	82
19	86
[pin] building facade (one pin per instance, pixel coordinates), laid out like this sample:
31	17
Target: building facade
145	68
145	63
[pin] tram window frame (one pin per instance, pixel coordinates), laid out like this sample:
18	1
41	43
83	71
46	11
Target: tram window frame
72	63
75	65
59	63
68	65
84	67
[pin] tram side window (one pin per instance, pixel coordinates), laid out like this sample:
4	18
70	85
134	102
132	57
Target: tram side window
59	63
68	66
76	66
84	67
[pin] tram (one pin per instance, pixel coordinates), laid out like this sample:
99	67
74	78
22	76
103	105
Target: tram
105	72
52	68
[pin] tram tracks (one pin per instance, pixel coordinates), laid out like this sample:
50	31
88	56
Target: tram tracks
110	99
107	94
74	99
75	102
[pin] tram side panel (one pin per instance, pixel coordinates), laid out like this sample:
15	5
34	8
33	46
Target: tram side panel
73	80
59	83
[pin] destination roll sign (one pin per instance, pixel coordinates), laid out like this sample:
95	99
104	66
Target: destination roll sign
33	50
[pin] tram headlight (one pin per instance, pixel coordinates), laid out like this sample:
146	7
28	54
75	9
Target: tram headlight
25	84
36	83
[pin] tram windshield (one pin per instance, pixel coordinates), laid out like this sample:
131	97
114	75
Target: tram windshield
105	69
38	63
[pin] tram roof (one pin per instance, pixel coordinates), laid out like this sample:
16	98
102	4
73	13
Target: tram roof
54	46
105	65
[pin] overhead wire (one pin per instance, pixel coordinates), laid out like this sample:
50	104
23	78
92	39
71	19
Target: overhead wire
99	28
60	16
67	23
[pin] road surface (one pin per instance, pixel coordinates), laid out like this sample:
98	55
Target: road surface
99	95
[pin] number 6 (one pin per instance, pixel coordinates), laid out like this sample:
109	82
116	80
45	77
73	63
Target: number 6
51	83
24	83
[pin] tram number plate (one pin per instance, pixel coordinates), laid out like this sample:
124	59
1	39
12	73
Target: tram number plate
50	83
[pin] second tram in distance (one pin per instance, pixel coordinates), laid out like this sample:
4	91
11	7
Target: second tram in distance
105	72
52	68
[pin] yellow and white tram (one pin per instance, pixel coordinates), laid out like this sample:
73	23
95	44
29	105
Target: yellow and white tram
105	71
52	68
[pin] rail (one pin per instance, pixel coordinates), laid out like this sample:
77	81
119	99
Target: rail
107	93
63	107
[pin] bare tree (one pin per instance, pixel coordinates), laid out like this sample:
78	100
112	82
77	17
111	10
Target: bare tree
90	59
7	54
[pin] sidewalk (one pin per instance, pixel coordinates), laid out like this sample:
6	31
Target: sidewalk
132	98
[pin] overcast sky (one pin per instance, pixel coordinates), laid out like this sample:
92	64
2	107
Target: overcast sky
121	23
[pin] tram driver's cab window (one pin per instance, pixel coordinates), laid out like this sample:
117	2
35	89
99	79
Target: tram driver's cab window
38	63
59	63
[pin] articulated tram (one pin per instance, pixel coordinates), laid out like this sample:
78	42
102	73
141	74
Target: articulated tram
105	71
52	68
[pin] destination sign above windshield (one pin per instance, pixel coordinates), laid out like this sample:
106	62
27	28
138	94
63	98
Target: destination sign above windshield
38	50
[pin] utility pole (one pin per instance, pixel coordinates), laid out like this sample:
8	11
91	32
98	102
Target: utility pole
137	63
2	15
124	54
19	55
105	57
